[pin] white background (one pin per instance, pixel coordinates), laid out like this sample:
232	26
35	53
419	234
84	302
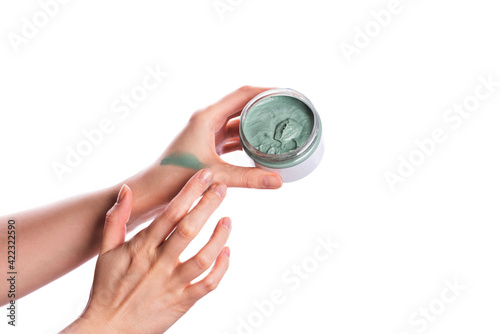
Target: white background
397	248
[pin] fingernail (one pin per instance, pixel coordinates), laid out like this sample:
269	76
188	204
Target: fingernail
220	190
121	194
227	223
227	251
271	181
206	176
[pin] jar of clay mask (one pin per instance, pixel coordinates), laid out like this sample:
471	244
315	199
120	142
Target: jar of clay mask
281	131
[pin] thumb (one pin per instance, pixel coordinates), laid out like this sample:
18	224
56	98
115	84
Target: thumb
252	177
116	219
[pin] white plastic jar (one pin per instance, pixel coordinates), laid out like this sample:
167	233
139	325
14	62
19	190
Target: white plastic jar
283	142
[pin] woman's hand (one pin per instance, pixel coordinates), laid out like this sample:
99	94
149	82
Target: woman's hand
210	133
140	286
72	230
214	131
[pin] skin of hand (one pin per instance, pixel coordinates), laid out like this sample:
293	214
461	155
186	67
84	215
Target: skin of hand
141	286
59	237
209	133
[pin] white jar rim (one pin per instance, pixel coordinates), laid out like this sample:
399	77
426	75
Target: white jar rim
293	157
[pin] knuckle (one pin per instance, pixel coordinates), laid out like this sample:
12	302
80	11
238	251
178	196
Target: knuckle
195	117
210	202
247	179
173	213
186	231
208	110
246	89
139	244
202	261
210	284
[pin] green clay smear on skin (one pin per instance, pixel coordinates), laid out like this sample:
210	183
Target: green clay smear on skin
278	124
187	160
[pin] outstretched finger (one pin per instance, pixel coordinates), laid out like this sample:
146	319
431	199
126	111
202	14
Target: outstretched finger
230	147
164	224
189	227
251	177
199	263
199	289
233	128
228	132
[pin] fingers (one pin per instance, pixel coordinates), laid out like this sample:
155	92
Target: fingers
197	290
116	219
228	137
164	224
191	224
233	128
230	147
230	131
231	105
251	177
198	264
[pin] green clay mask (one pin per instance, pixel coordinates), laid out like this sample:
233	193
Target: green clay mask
182	159
278	124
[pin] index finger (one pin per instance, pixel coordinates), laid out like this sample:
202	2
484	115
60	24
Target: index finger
189	227
165	223
232	104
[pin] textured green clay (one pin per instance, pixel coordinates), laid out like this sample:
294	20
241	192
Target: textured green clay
278	124
182	159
